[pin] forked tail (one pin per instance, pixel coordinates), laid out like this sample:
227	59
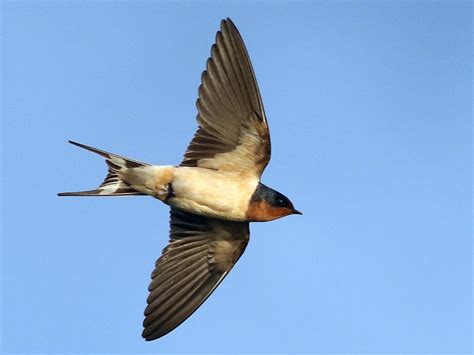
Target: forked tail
113	185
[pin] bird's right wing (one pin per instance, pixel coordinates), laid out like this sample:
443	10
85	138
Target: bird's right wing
233	132
200	254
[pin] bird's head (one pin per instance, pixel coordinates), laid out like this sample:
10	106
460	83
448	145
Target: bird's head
267	204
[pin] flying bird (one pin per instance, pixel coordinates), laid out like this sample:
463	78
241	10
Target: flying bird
213	194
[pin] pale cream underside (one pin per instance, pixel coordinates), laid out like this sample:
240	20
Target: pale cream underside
219	194
213	193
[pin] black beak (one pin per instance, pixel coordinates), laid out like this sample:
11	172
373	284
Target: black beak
297	212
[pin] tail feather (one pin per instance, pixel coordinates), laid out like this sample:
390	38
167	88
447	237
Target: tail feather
113	185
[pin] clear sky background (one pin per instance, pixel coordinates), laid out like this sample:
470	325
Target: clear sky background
369	107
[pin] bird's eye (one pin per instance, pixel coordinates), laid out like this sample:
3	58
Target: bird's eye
281	202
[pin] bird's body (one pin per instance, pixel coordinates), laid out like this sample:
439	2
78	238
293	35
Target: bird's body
213	194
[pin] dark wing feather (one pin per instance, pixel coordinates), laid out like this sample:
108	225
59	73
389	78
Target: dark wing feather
200	254
233	131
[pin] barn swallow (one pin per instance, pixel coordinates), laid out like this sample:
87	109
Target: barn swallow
213	194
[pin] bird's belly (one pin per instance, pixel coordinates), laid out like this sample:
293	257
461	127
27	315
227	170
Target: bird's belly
212	193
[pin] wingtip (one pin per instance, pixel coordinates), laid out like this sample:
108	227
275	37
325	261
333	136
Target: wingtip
227	22
228	26
147	338
150	336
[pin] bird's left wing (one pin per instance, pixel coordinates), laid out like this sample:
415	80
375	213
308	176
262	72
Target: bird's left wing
200	254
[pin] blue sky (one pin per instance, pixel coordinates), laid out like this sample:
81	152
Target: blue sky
369	107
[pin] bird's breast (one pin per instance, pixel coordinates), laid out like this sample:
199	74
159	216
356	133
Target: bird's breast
212	193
